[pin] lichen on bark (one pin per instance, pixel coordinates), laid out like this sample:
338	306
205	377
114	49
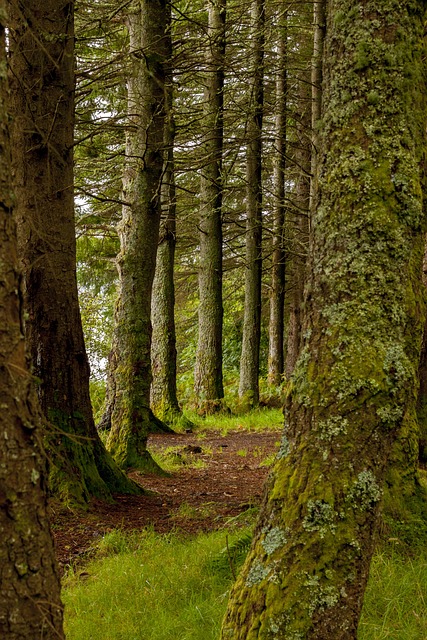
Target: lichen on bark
352	395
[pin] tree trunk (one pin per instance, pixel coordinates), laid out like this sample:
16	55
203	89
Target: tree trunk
298	219
131	418
422	375
249	360
354	387
30	605
277	292
42	100
208	382
163	396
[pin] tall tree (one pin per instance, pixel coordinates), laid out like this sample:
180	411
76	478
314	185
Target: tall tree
41	41
249	361
131	417
277	291
30	604
208	369
163	398
353	389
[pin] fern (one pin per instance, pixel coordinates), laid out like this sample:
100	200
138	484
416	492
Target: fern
229	560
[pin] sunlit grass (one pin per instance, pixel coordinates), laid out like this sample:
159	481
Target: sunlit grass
153	587
262	419
162	588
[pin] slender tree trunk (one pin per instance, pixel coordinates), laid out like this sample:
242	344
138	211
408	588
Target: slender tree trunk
299	232
354	387
163	398
319	18
249	360
277	292
30	605
131	417
208	382
41	41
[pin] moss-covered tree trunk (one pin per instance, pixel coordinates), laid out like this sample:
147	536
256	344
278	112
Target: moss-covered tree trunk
277	292
163	397
354	386
131	417
249	360
41	40
208	384
422	374
30	605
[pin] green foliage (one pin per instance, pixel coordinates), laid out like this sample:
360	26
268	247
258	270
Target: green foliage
146	586
262	419
161	588
395	602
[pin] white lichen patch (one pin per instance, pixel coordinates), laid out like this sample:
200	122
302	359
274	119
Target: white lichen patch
274	539
284	448
365	491
257	573
321	597
320	517
332	427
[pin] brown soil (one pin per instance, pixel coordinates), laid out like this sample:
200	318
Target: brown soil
192	499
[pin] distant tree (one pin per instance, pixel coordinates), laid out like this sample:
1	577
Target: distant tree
41	42
353	390
130	364
277	291
249	361
208	381
30	605
163	398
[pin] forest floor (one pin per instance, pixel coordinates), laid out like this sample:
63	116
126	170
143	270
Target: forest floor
214	478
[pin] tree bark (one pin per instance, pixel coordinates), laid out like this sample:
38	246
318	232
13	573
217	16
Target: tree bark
30	605
208	384
277	292
42	102
131	417
353	391
249	360
298	219
163	396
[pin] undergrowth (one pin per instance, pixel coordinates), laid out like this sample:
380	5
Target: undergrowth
262	419
164	587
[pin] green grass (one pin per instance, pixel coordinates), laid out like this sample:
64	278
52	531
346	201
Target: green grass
263	419
173	459
160	588
395	606
153	587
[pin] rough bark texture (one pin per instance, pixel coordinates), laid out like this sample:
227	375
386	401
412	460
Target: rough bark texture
163	396
249	360
30	605
354	387
42	101
319	19
208	384
422	374
298	224
131	418
277	292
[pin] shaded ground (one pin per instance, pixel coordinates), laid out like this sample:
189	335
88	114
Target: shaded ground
218	477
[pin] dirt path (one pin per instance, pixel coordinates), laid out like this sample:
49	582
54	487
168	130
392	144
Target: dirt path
219	477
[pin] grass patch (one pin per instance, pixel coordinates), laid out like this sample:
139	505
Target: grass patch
153	587
173	459
395	606
262	419
160	588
